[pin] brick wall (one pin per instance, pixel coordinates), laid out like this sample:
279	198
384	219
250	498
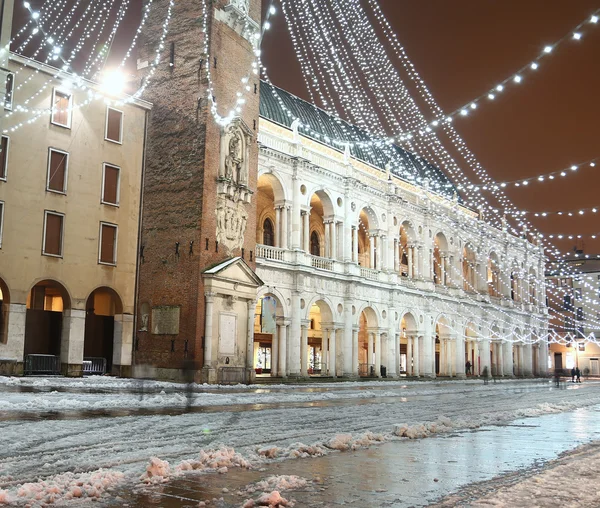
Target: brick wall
182	165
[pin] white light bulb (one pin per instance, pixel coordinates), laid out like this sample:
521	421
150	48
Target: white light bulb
577	36
534	66
593	164
594	19
548	49
464	112
525	182
581	212
272	10
267	25
35	15
573	168
473	105
499	88
26	5
517	79
491	96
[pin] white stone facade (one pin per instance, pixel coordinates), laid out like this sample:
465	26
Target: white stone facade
369	271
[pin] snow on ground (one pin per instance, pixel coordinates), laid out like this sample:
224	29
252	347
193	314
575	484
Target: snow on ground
569	482
336	417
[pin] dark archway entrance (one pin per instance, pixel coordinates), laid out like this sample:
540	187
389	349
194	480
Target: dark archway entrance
98	345
44	327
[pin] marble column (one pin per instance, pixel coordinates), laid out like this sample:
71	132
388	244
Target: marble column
378	353
282	340
304	348
355	350
277	227
416	356
409	356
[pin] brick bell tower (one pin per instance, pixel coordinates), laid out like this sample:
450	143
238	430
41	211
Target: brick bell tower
197	287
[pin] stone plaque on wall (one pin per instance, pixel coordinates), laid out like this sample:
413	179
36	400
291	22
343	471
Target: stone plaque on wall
165	320
227	333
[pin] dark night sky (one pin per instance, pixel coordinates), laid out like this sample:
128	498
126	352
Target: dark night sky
550	121
462	48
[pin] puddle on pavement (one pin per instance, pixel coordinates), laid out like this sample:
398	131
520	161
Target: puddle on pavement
395	474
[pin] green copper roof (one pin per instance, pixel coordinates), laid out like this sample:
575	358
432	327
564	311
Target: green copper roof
282	107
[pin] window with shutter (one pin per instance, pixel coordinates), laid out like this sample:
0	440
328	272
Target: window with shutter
1	221
114	124
111	184
57	171
3	157
61	108
53	234
108	244
8	90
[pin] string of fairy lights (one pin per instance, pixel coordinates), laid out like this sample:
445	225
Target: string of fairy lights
337	77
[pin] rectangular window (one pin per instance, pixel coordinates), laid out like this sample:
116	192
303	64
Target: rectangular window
111	184
9	84
53	234
61	108
580	313
4	158
58	166
108	244
1	221
114	125
577	293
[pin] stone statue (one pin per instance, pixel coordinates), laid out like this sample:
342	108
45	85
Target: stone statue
234	158
242	5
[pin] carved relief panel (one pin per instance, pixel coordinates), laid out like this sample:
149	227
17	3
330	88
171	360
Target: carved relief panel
233	193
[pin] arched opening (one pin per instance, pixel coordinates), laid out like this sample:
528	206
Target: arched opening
409	346
515	283
44	325
407	251
443	348
532	282
440	260
268	233
517	353
4	309
320	207
101	335
472	361
322	340
367	344
315	244
270	199
266	340
469	269
368	240
493	275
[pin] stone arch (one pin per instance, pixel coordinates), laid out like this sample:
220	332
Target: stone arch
469	267
270	307
4	310
321	342
270	193
440	251
493	274
47	318
321	208
368	238
102	337
368	323
407	252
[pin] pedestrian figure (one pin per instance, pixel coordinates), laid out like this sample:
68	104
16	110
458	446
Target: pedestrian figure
189	371
573	375
485	374
557	378
468	368
578	374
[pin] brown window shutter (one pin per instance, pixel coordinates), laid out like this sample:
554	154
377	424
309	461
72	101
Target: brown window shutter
53	241
61	105
111	184
57	169
113	128
3	156
107	246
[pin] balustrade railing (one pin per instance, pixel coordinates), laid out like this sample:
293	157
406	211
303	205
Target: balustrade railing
322	263
268	252
369	273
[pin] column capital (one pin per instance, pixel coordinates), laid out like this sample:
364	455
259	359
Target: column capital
305	323
283	321
209	296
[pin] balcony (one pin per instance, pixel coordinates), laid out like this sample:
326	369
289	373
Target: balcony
321	263
268	252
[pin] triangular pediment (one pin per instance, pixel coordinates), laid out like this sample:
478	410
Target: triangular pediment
234	270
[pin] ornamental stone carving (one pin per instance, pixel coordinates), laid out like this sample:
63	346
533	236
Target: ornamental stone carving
241	5
233	193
